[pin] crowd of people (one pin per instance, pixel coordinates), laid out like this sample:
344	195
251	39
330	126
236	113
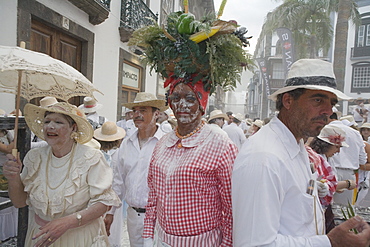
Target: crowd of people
190	181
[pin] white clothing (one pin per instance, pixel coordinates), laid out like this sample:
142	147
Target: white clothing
347	160
122	123
116	232
135	226
354	155
356	113
216	128
65	191
8	221
132	163
236	134
36	142
165	126
244	127
269	182
130	128
130	178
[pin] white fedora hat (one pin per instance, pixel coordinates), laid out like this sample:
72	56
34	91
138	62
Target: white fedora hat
313	74
90	105
333	135
48	101
147	99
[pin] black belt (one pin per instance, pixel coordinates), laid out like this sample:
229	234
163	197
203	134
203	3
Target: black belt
139	210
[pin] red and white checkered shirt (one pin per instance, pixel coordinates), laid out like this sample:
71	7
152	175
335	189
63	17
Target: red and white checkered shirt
190	186
326	172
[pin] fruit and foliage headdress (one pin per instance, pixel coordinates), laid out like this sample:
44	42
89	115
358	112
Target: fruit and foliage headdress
208	50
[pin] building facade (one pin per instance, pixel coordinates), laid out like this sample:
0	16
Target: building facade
92	35
271	73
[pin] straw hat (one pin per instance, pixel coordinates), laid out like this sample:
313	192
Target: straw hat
2	112
238	116
90	105
109	131
365	125
48	101
217	114
350	119
333	135
258	123
147	99
35	115
309	70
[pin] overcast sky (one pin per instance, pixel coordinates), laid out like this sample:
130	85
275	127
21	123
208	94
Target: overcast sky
248	13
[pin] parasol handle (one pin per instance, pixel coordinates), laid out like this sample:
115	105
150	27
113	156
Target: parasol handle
15	152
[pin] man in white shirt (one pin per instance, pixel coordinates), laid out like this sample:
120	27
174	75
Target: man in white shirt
274	190
348	160
132	163
216	121
235	133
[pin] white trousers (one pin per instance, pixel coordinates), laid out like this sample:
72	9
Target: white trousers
135	227
347	195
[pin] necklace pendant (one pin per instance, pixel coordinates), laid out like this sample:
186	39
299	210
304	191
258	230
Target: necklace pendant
179	145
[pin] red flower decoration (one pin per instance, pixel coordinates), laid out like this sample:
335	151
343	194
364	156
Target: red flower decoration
336	139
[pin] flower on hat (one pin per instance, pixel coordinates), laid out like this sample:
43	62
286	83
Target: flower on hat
336	139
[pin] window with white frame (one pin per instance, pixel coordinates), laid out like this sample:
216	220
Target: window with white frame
278	71
361	36
361	76
368	35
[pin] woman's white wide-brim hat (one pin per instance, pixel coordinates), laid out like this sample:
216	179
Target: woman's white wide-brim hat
147	99
311	68
35	115
109	131
333	135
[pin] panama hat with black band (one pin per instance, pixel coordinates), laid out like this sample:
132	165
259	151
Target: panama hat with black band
313	74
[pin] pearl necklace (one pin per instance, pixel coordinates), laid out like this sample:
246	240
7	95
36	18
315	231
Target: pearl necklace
188	135
49	161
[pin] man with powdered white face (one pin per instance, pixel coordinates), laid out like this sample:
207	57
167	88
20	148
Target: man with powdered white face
190	176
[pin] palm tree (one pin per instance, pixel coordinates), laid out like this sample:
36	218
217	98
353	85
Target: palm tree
309	21
346	9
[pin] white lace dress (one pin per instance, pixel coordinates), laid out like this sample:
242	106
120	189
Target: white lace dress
68	189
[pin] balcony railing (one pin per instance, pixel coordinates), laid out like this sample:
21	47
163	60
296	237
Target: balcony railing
136	14
105	3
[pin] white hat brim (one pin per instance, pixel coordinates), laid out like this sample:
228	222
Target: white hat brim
91	109
222	115
121	133
339	94
160	104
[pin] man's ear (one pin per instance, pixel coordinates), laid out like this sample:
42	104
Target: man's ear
287	101
156	114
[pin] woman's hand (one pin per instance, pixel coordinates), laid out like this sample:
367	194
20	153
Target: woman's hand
12	168
52	230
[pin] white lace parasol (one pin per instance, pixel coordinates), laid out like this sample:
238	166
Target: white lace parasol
41	75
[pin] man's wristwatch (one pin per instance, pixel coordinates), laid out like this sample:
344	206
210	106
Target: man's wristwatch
79	218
